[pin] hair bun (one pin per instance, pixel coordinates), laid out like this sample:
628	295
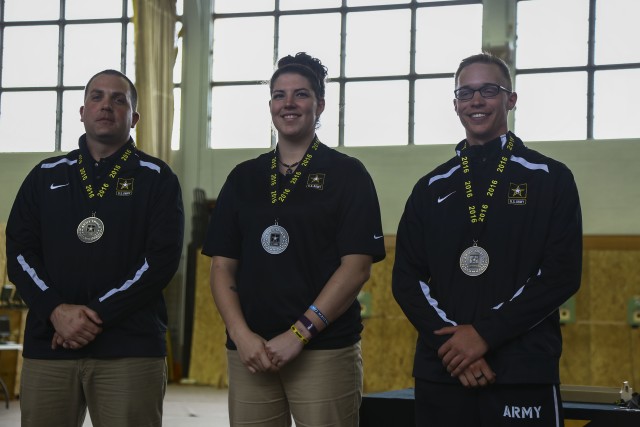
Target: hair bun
306	65
304	59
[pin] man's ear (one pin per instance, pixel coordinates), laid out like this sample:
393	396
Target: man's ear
134	119
511	101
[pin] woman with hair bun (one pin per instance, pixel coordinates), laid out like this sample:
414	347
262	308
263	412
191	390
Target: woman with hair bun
292	240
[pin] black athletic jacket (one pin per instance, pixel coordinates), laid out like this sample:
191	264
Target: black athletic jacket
121	276
533	236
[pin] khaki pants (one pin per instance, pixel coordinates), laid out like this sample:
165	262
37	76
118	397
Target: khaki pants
318	388
124	392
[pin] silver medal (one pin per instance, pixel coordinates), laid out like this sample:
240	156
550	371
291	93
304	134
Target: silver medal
474	261
90	229
275	239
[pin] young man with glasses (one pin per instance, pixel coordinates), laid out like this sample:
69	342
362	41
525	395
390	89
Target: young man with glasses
489	246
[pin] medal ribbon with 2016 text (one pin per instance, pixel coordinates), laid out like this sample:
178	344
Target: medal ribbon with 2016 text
475	260
275	238
109	181
276	198
479	217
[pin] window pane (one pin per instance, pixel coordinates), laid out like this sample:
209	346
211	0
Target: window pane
378	43
436	121
31	10
30	56
131	53
177	68
16	108
615	104
552	33
72	127
617	31
231	6
437	54
309	4
328	130
384	125
177	105
91	9
240	54
374	2
81	57
540	116
249	129
325	45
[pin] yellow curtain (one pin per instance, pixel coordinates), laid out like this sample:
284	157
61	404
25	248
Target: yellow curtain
3	255
156	51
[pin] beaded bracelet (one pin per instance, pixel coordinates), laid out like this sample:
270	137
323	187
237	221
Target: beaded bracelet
317	311
308	324
299	335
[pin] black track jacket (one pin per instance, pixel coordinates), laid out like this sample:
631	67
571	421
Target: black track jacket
121	276
533	235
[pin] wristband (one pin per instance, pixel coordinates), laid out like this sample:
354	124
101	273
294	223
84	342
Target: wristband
308	324
319	313
299	335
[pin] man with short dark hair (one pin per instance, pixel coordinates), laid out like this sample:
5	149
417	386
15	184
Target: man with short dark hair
93	238
489	246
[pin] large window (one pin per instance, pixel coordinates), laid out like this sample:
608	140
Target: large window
48	51
391	64
390	67
577	68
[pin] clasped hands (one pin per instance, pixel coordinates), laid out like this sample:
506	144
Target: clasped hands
463	356
260	355
75	326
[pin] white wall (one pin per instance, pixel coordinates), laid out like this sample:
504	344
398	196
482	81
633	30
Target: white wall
606	173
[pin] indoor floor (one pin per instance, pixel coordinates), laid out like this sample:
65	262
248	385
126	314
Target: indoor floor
184	406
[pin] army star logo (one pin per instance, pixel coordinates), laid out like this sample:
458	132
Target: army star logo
124	187
517	194
316	181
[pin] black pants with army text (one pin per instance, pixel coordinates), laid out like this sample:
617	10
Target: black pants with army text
452	405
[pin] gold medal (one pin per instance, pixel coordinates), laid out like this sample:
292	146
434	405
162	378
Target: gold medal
90	229
474	260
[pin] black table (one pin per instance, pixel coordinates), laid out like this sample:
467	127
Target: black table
395	408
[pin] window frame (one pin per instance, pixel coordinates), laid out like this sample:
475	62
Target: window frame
590	68
124	20
342	80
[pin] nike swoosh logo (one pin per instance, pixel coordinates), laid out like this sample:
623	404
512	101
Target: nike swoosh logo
53	186
442	199
377	237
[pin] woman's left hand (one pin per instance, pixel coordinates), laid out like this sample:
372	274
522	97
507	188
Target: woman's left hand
283	348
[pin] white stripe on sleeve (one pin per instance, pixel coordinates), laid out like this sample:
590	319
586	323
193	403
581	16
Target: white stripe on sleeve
128	283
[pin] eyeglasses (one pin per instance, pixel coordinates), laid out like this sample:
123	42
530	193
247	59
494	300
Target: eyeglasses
490	90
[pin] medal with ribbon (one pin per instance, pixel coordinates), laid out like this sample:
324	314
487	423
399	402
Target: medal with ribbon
91	229
474	260
275	238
